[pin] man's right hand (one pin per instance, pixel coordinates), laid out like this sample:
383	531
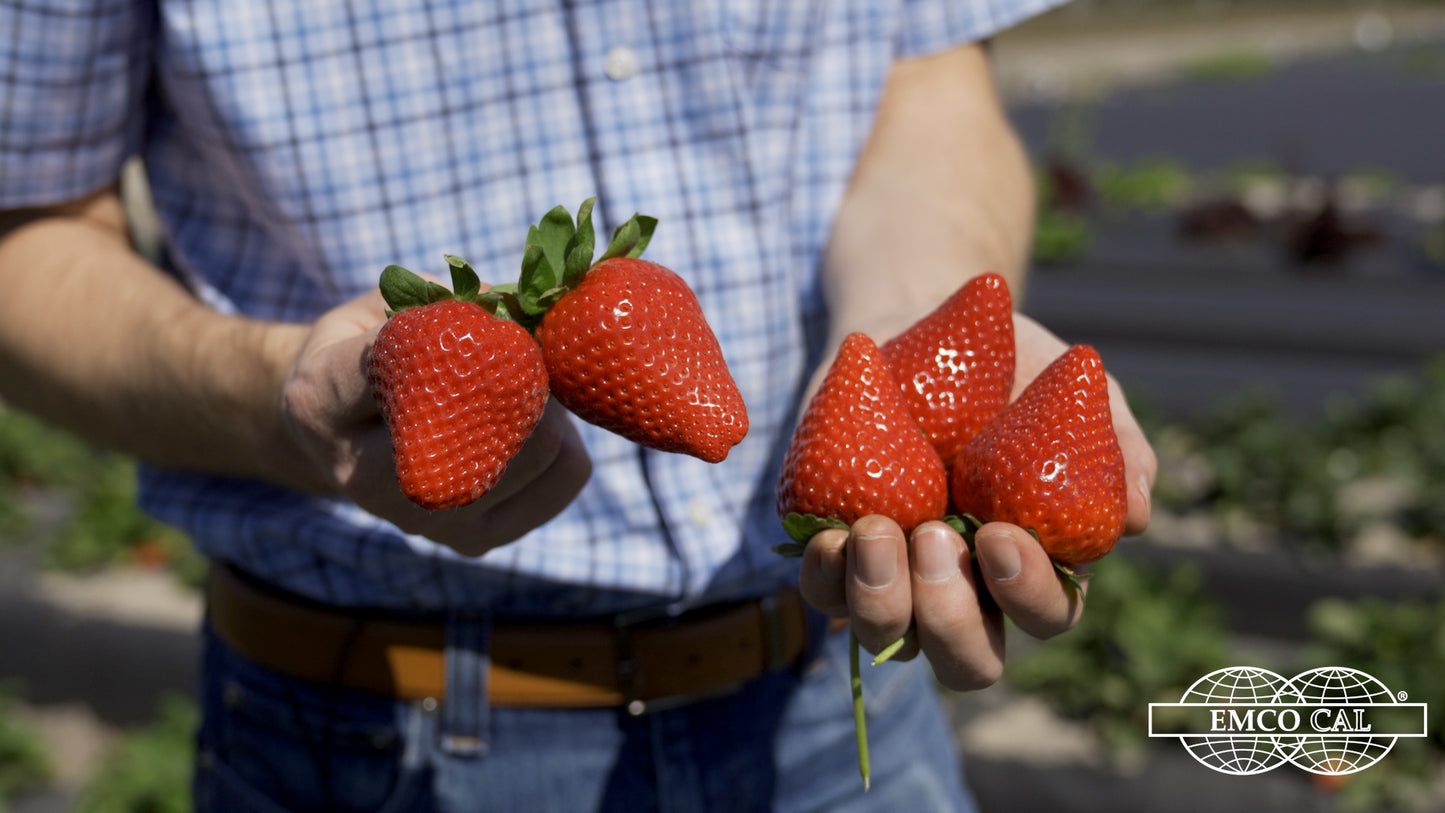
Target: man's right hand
328	406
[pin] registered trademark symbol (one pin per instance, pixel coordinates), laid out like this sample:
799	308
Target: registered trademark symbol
1401	696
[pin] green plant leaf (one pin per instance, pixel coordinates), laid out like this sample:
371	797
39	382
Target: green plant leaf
403	289
501	300
579	252
966	525
536	278
465	282
554	234
646	225
624	237
803	527
790	550
149	769
629	239
1071	577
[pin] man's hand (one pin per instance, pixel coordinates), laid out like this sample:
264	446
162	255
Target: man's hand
328	405
883	583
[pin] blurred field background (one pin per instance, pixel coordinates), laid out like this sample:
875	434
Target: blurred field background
1243	208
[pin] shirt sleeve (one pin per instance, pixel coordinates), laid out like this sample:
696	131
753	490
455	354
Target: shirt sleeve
930	26
73	74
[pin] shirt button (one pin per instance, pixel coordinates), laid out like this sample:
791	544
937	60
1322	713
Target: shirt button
621	63
699	513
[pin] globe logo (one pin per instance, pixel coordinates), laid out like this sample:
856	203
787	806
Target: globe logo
1239	755
1244	720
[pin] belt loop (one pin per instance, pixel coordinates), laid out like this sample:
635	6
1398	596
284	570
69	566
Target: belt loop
772	633
466	708
626	665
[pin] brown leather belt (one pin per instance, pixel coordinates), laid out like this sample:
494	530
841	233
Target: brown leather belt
548	665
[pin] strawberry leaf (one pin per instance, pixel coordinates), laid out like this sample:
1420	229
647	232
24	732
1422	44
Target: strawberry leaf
579	251
790	550
629	239
465	282
554	234
535	280
1071	577
803	527
646	225
403	289
624	237
501	300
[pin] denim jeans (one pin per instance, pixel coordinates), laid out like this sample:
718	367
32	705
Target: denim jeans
783	742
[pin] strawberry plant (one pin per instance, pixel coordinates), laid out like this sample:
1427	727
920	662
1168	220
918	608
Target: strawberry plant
105	527
1150	184
1403	645
150	770
35	454
1146	637
1301	481
1062	231
24	764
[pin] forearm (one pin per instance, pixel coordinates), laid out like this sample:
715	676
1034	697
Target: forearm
99	342
942	192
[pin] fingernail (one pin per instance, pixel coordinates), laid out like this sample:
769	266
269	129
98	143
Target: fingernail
1145	489
876	561
832	564
1000	556
935	559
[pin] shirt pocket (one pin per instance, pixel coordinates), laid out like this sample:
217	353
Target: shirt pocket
772	33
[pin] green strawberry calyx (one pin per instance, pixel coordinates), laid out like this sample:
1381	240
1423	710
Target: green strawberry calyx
404	289
556	259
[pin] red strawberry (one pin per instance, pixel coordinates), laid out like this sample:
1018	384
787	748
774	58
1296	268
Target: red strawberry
460	389
1051	463
625	342
857	451
956	365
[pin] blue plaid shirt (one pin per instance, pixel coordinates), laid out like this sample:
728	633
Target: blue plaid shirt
295	147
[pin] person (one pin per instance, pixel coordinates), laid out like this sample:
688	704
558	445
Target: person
555	645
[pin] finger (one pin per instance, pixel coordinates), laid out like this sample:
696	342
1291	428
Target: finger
347	383
879	597
1023	581
823	571
1035	346
473	530
553	434
1140	464
962	640
362	313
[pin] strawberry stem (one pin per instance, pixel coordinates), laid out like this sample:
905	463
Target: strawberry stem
892	649
860	720
558	255
1073	579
